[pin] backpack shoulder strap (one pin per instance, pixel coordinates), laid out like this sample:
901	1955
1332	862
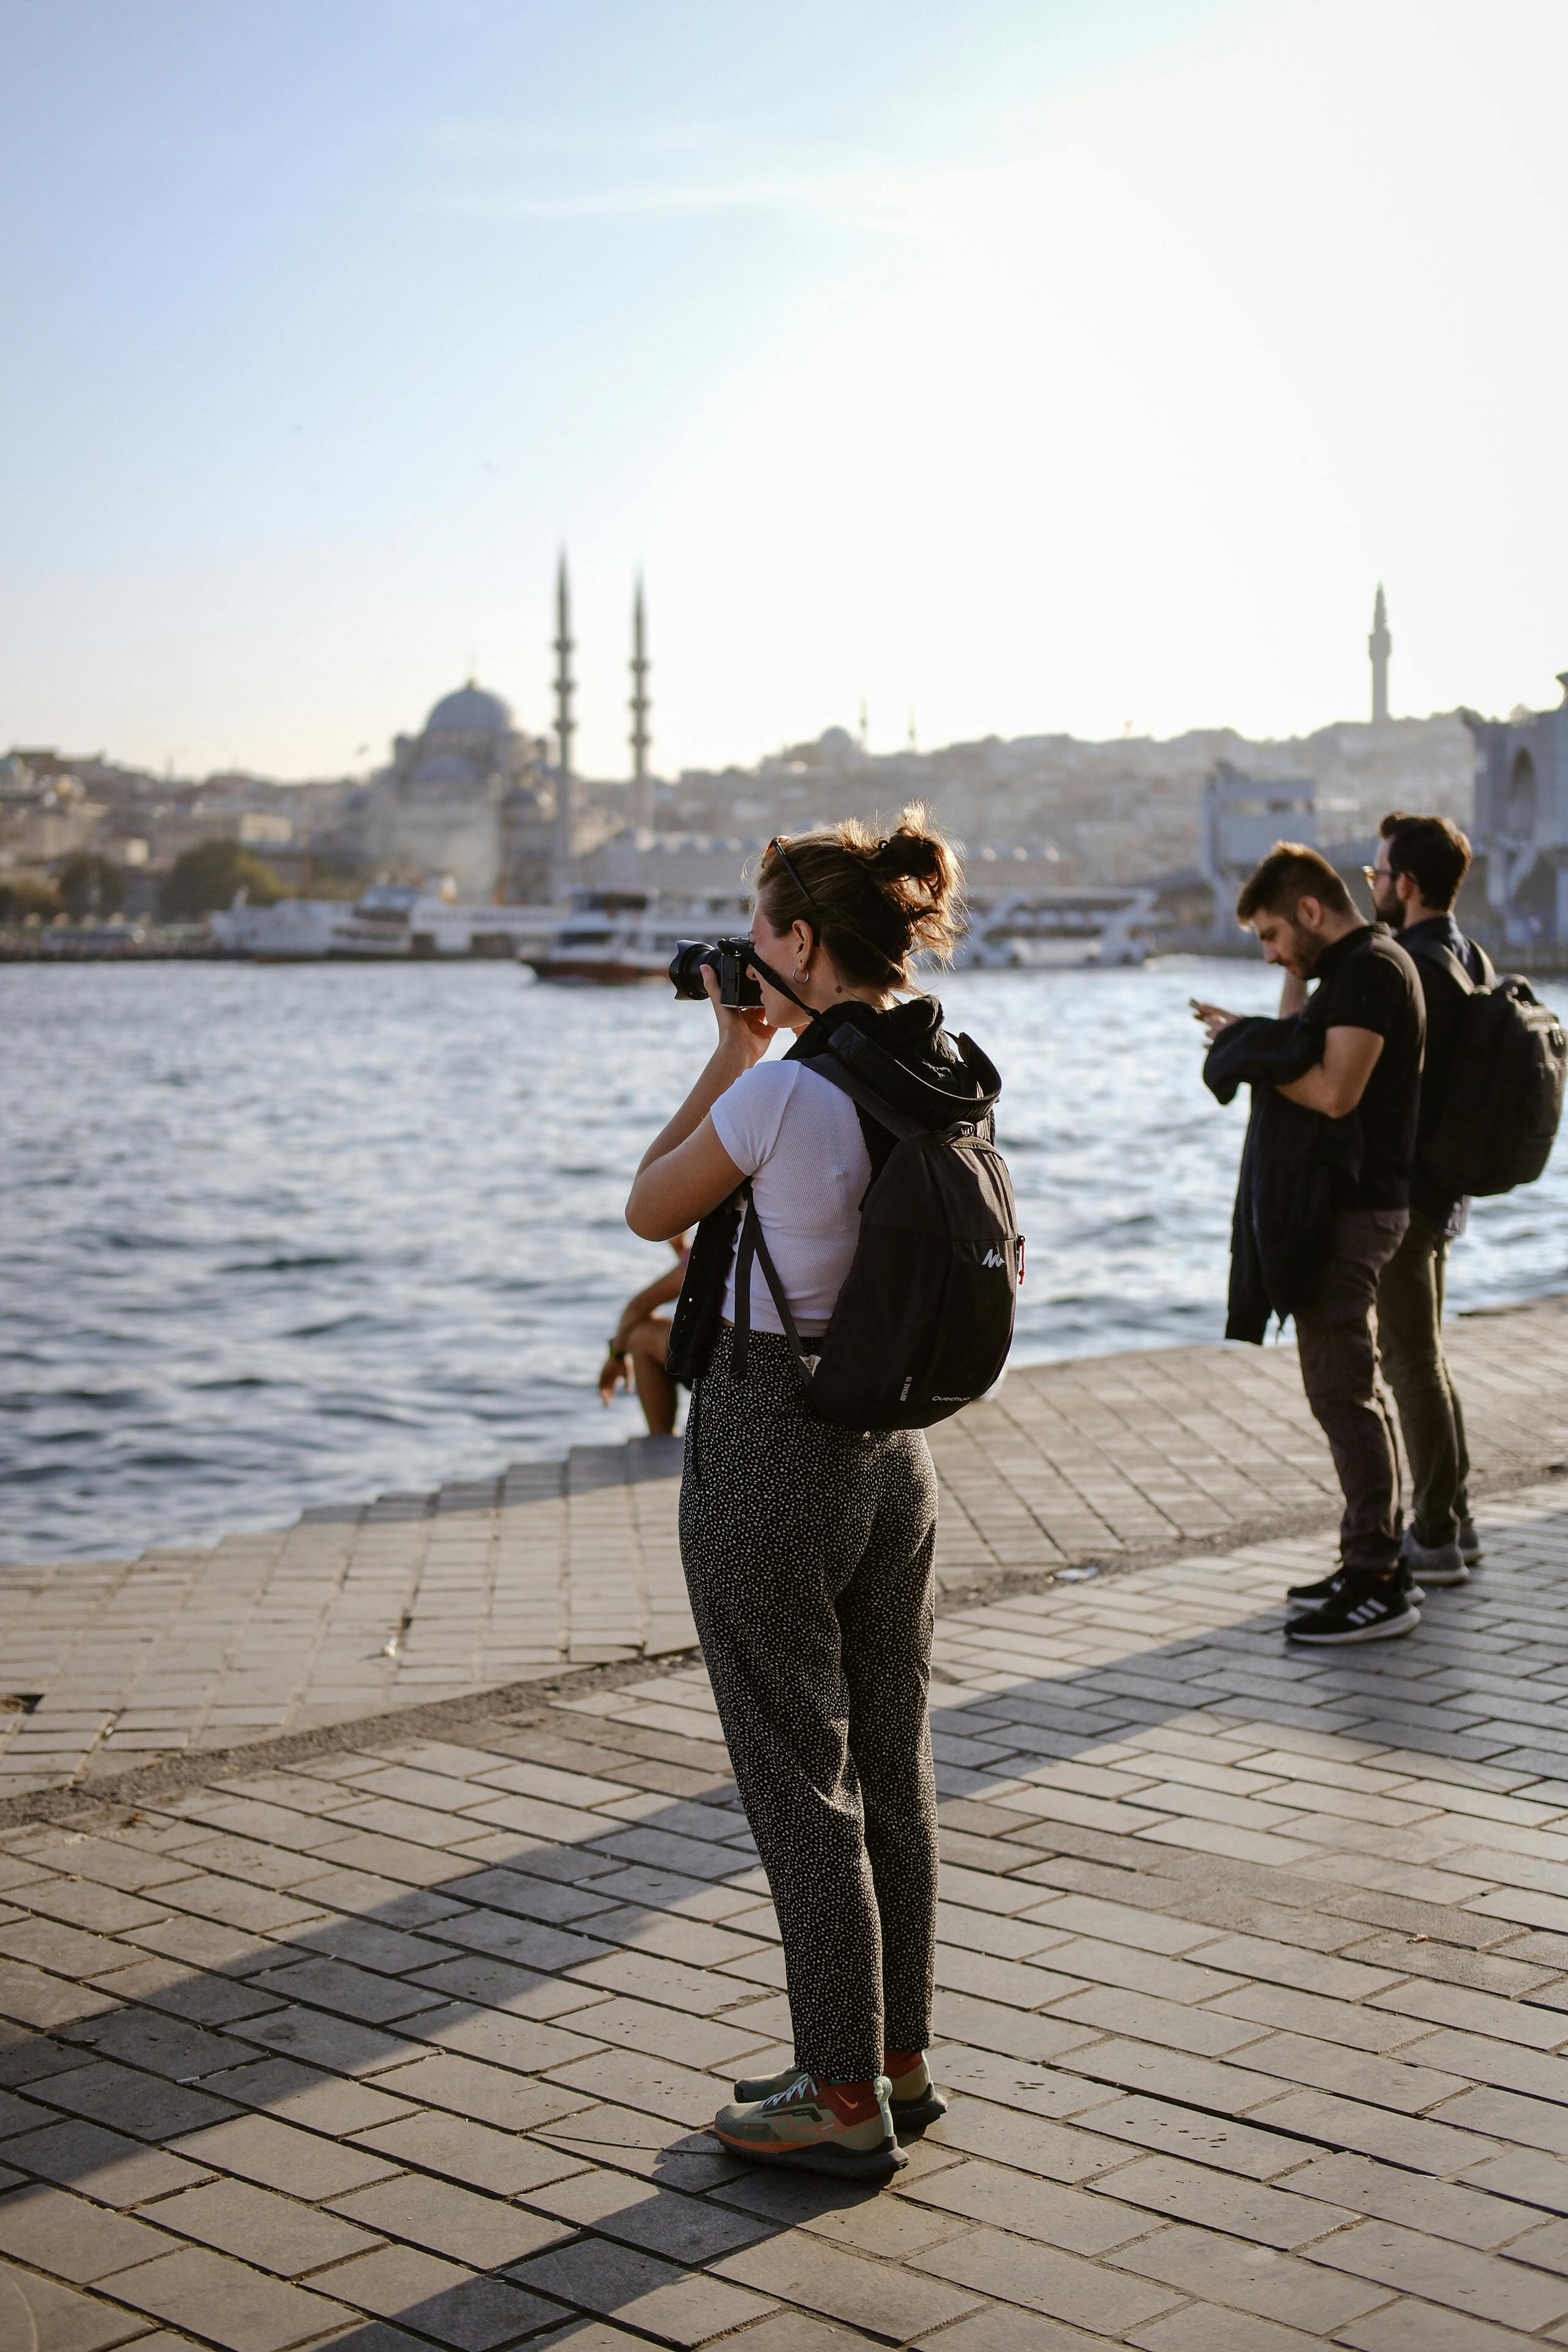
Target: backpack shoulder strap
754	1244
1433	952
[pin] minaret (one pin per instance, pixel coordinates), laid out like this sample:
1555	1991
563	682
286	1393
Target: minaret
1379	644
642	782
566	728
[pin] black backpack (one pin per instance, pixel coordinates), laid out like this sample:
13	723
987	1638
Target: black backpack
1503	1101
924	1320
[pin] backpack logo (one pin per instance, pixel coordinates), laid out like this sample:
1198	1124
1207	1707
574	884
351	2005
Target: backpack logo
992	1257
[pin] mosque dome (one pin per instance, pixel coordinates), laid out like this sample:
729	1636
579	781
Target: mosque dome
472	710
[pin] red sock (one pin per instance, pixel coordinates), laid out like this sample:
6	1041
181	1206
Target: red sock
854	2102
899	2062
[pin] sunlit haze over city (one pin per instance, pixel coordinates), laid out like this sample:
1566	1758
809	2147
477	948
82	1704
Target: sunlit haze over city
1009	367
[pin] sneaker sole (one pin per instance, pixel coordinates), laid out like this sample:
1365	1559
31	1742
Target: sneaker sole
1384	1632
877	2164
1442	1576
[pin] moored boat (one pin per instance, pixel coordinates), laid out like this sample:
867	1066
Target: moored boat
617	939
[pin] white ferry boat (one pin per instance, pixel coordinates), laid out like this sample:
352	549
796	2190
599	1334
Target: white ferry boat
390	923
1046	930
614	938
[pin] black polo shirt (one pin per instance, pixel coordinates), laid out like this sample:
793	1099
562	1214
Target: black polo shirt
1367	980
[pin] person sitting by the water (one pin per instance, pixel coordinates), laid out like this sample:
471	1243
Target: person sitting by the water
638	1346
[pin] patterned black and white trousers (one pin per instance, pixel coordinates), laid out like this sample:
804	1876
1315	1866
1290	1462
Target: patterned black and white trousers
807	1552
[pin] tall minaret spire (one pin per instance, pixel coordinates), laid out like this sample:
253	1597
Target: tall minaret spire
1379	644
642	782
566	728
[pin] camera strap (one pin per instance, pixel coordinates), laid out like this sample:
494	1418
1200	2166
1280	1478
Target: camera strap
776	980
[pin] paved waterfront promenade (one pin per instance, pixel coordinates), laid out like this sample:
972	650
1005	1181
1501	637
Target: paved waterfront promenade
1254	2007
421	1598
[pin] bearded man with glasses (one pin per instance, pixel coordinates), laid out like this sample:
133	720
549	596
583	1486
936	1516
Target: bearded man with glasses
1421	863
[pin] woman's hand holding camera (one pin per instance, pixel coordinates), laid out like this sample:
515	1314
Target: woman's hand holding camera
745	1029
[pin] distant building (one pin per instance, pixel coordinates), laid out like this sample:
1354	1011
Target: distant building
1521	823
465	797
1243	817
45	812
1379	645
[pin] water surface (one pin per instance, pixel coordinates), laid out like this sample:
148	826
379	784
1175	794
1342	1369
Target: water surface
276	1236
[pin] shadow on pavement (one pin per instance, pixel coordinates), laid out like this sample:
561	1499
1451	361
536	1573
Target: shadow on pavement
295	1980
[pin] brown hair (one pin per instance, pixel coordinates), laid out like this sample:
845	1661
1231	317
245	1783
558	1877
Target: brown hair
1434	853
1291	872
872	902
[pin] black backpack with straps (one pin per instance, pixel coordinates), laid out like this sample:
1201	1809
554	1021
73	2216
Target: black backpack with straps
1503	1101
924	1320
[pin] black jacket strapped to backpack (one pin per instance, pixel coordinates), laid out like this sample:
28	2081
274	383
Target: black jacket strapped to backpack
1286	1189
924	1318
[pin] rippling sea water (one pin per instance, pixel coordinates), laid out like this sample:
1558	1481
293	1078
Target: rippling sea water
277	1236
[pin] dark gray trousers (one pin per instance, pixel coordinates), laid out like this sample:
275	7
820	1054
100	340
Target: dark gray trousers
807	1552
1336	1337
1410	1338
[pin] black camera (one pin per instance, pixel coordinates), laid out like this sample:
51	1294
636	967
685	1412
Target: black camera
731	959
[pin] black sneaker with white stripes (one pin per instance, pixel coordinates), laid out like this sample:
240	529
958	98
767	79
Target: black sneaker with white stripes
1301	1599
1362	1609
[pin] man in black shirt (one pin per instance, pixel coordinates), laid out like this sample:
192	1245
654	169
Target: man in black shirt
1421	862
1367	1009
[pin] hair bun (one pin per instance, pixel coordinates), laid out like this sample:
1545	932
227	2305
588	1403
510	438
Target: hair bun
875	901
907	852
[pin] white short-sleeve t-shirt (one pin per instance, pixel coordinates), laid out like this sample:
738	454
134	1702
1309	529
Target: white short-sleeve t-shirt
798	1139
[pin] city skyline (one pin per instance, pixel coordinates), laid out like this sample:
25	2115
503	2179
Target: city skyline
1036	375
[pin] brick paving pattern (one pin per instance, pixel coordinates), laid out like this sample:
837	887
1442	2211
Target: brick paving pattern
1254	1974
490	1583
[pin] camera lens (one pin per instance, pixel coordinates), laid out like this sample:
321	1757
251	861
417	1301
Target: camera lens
686	967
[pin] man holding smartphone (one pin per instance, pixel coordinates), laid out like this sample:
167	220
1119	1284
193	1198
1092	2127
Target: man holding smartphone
1366	1008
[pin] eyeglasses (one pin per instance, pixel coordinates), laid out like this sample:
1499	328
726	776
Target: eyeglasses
1378	873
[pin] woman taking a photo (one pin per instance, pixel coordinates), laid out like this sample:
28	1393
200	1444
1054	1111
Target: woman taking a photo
808	1548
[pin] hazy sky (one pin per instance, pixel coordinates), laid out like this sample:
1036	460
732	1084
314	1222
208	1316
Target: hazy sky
1028	364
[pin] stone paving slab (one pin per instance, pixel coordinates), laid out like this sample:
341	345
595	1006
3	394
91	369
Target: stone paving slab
491	1582
1253	2010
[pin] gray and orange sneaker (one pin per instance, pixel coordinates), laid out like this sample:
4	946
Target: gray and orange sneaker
913	2098
811	2127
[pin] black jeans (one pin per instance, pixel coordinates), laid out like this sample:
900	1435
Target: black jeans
1410	1336
1336	1336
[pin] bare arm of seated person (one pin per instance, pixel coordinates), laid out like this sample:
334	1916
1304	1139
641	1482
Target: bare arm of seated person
1335	1085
